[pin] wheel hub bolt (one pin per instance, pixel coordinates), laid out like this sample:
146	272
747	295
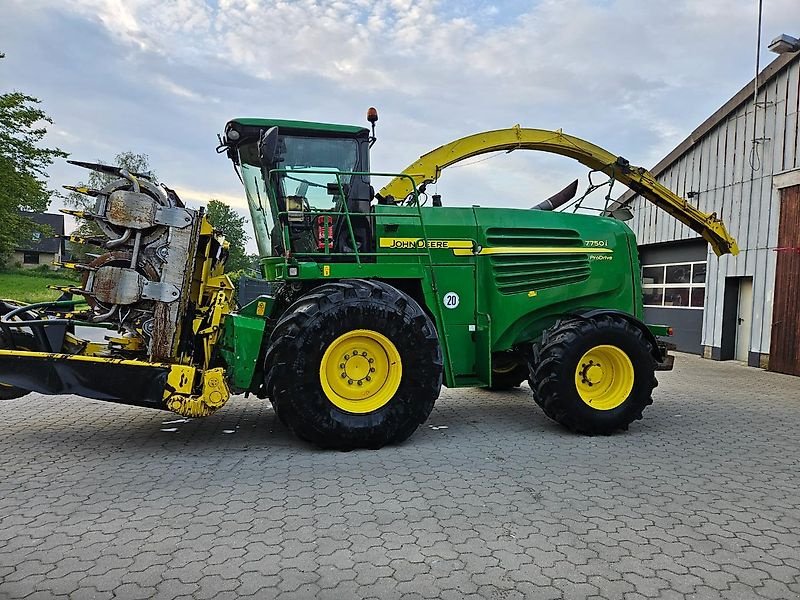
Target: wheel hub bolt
372	369
360	382
371	360
368	378
344	375
349	382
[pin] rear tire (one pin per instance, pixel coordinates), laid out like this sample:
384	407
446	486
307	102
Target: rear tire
21	341
508	371
593	375
326	346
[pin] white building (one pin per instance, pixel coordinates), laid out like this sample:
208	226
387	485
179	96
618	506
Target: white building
742	163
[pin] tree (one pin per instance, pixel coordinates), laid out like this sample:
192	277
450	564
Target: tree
131	161
23	165
232	225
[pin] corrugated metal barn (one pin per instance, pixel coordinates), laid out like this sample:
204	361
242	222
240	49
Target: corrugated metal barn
744	164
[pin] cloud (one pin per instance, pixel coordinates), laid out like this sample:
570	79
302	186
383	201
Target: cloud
183	92
163	77
148	25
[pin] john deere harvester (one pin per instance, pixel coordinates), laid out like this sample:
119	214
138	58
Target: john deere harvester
380	298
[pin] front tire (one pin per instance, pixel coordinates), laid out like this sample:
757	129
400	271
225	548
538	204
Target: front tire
593	375
354	364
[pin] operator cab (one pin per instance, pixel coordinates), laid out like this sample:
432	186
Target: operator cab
301	180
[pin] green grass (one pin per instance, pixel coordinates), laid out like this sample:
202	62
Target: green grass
31	286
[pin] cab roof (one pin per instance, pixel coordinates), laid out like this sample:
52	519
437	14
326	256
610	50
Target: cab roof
301	125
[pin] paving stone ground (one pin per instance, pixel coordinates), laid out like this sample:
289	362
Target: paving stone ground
489	499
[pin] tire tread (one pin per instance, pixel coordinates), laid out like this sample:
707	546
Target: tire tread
549	355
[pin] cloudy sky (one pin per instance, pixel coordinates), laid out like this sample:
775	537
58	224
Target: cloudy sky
162	77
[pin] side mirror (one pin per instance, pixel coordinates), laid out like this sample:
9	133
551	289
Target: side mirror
622	213
268	147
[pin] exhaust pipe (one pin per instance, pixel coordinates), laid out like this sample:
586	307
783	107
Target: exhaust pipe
556	200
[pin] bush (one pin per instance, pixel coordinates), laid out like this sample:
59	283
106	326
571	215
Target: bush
42	272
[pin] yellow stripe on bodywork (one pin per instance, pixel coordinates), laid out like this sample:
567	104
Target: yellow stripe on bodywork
466	247
533	250
410	243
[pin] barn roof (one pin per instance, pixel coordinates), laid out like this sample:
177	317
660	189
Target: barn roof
45	244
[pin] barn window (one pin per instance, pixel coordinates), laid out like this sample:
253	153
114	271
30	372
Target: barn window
674	285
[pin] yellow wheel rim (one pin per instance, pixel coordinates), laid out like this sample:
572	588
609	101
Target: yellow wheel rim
604	377
360	371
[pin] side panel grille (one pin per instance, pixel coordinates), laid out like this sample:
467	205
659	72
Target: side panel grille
524	273
532	236
516	273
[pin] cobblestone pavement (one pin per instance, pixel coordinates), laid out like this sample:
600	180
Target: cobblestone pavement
489	499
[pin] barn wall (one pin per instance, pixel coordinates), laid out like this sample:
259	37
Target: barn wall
733	177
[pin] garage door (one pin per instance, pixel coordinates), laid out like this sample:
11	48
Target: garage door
673	284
